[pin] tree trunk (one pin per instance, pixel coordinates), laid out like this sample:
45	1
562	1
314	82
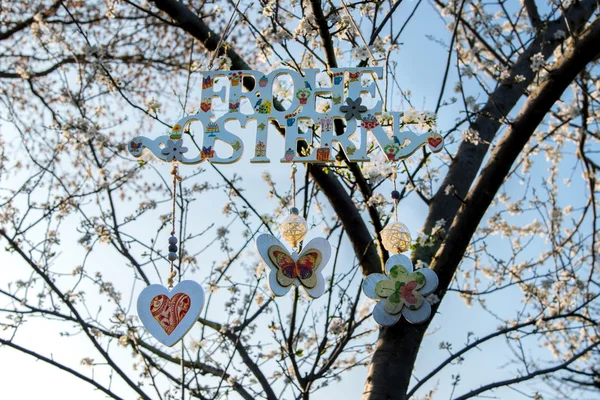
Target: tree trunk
393	361
397	347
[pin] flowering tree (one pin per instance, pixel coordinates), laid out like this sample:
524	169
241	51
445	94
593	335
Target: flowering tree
511	203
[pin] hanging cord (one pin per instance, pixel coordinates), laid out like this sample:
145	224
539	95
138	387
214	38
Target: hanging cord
293	178
294	211
182	371
173	246
225	32
176	178
355	25
395	195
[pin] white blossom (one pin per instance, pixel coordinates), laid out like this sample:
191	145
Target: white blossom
471	136
432	299
153	105
560	34
361	53
537	62
87	362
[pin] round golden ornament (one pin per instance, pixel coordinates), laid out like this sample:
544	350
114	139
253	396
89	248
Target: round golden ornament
293	229
396	237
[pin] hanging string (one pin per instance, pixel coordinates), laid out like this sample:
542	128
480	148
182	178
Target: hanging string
357	30
176	178
355	26
293	228
182	371
223	36
293	178
173	255
395	194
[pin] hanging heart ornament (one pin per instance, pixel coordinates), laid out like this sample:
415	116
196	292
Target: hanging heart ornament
435	142
169	315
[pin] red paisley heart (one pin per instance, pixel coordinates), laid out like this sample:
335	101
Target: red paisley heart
205	107
434	141
169	312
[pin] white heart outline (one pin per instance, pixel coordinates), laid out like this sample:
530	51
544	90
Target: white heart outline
190	288
265	241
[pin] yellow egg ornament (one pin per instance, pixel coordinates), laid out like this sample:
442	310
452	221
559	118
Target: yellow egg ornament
396	237
294	228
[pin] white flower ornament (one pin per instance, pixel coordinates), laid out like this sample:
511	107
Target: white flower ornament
174	149
401	291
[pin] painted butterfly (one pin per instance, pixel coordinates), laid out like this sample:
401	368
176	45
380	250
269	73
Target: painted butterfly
354	76
295	269
234	107
135	145
207	82
289	270
207	152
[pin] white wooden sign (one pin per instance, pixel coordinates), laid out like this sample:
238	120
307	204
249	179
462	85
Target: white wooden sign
345	93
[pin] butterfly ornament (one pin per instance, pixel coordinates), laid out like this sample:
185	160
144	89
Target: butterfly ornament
302	270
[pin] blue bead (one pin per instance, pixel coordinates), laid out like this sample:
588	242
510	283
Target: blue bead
172	240
172	256
395	194
173	248
294	211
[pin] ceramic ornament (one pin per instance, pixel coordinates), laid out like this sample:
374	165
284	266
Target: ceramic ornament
303	270
169	314
400	292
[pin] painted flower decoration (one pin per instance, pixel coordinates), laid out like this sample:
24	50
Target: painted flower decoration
353	109
174	149
401	291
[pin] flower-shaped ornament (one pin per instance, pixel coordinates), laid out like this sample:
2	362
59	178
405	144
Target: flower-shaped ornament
174	149
400	291
353	109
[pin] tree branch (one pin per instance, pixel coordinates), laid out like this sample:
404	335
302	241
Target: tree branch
484	339
59	366
51	284
469	157
583	49
390	371
26	23
527	377
532	11
252	366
